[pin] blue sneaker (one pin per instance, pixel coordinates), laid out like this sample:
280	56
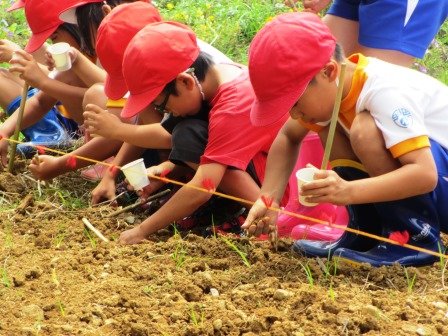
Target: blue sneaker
386	254
416	215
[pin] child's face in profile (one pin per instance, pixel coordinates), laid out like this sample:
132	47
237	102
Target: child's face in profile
185	102
316	103
61	35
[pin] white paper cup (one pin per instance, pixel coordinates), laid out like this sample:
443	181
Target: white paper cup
59	52
303	176
136	175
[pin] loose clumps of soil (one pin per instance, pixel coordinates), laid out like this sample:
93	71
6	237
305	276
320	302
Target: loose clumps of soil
58	279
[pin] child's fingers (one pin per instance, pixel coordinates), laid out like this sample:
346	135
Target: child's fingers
94	108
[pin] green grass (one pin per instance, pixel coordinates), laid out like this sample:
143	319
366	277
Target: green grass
227	25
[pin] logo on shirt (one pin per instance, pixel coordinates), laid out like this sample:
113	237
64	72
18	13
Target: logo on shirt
402	117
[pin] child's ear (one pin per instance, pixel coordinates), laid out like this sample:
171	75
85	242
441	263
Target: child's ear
106	9
330	70
186	80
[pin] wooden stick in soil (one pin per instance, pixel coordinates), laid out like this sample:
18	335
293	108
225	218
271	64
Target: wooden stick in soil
334	118
139	202
94	230
15	137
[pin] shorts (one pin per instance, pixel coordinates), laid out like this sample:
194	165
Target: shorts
394	24
189	140
70	125
440	194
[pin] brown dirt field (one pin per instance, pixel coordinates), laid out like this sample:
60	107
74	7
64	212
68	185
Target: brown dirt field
54	280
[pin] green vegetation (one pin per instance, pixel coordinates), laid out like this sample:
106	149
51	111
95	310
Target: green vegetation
228	26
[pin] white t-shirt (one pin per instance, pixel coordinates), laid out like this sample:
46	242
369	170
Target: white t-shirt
407	105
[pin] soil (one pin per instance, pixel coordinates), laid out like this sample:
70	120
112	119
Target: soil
56	278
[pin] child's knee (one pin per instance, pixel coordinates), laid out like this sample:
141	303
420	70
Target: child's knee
95	95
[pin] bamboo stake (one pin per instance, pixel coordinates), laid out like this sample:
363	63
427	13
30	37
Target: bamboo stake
13	144
139	202
334	118
94	230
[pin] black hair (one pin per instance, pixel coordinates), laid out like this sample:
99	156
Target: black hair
89	17
73	30
201	66
338	55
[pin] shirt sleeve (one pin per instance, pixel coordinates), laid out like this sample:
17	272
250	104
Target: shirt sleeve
399	118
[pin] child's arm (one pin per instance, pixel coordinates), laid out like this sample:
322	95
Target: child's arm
97	149
281	160
105	190
86	70
416	176
101	122
30	72
182	204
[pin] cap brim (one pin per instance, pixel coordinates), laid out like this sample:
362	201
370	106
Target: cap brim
265	113
115	88
37	40
137	102
69	15
16	5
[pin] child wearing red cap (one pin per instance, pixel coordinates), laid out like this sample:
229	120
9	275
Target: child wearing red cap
392	120
171	75
394	31
45	121
120	21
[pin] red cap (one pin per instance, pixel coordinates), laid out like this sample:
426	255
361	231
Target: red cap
153	58
16	5
42	17
284	57
68	13
114	34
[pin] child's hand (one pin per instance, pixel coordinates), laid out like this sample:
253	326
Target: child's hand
6	49
260	219
28	69
314	6
49	61
327	187
45	167
4	152
99	122
105	190
132	236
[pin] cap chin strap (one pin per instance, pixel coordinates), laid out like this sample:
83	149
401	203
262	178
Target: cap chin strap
191	72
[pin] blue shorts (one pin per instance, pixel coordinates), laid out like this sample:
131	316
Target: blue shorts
70	125
440	194
394	24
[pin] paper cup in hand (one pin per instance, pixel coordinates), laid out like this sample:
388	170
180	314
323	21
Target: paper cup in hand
59	52
303	176
136	175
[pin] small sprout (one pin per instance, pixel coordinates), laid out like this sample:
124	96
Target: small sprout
237	250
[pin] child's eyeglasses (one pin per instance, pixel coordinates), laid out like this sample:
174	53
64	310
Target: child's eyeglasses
162	107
